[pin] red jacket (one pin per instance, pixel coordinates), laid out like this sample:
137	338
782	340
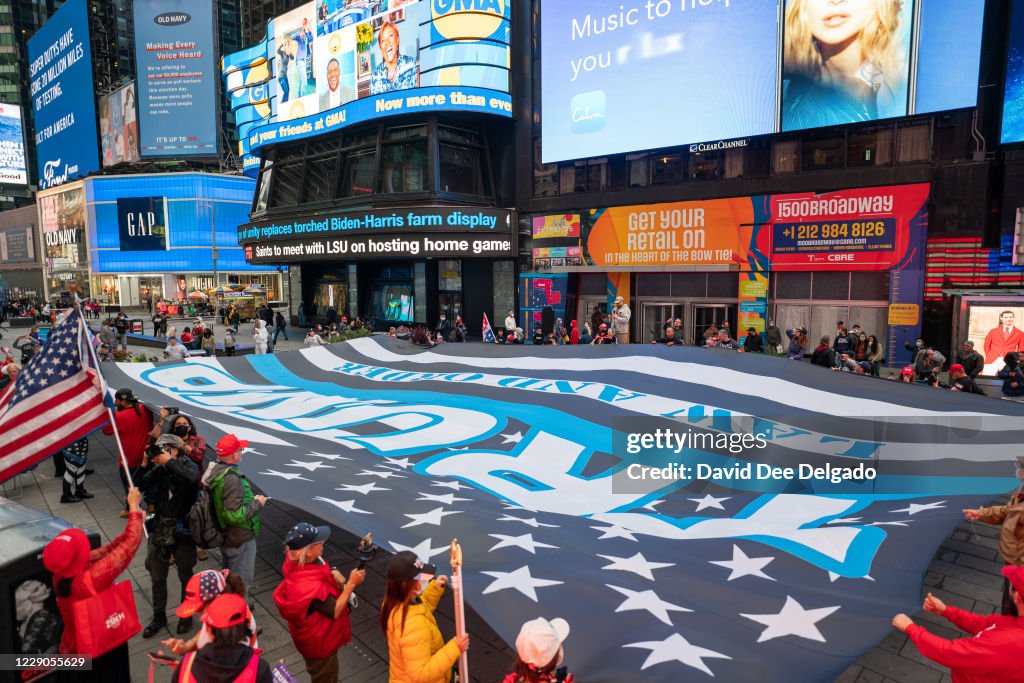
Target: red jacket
134	430
105	565
993	655
315	635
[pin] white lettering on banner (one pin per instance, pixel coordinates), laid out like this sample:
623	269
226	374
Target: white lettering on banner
832	206
292	409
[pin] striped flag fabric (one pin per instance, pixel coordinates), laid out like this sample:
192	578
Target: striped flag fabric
488	333
525	454
56	400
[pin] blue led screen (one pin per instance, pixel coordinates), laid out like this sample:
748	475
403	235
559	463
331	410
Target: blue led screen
194	202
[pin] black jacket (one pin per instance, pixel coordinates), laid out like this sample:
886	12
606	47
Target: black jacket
279	320
752	344
223	665
266	315
175	483
973	363
823	356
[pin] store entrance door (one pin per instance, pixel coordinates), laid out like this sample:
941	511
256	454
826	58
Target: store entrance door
653	318
705	314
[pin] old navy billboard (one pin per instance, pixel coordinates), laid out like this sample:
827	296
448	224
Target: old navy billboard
174	56
63	104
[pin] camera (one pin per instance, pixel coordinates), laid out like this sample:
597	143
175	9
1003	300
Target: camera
153	451
172	410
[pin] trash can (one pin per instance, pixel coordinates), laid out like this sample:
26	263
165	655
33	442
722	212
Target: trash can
26	588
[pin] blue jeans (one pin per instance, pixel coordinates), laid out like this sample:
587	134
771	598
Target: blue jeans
241	561
280	330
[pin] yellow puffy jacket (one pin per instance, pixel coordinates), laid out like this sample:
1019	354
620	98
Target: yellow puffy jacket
417	652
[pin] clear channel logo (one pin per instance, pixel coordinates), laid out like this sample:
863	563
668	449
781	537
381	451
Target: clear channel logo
588	111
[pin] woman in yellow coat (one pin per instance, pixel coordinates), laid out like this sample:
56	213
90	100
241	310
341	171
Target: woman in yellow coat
416	649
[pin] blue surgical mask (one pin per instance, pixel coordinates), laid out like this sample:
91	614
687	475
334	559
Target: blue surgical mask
917	343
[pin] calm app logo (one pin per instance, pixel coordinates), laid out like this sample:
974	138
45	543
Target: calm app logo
588	111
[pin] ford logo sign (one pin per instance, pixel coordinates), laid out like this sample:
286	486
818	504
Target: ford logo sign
172	18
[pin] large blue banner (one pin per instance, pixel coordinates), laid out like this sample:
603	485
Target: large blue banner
63	102
749	559
177	87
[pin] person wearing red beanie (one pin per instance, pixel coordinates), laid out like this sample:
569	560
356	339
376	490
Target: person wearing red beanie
70	561
994	652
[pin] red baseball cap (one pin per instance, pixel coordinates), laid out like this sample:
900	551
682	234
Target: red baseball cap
907	370
201	589
226	610
67	554
231	444
956	367
1015	575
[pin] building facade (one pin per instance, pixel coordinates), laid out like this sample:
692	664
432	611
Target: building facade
131	240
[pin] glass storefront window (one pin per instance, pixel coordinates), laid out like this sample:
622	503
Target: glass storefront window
461	170
667	169
419	290
823	153
357	177
504	284
287	183
870	147
449	276
263	188
319	185
403	167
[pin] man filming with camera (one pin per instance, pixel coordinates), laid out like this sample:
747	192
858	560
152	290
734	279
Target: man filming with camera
171	481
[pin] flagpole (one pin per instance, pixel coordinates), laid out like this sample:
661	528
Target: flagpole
460	606
110	412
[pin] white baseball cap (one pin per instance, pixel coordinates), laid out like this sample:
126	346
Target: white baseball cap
540	639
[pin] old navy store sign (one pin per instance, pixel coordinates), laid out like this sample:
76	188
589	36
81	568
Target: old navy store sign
424	220
401	102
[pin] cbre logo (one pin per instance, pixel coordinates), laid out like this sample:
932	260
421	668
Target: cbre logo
172	18
467	19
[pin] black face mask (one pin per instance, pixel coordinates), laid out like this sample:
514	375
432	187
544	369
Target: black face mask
181	430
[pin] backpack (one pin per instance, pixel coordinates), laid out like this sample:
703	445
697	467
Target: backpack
202	521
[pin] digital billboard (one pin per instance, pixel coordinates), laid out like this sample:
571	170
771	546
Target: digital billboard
64	108
12	147
620	77
175	63
333	63
996	330
17	245
142	223
62	218
119	127
1013	102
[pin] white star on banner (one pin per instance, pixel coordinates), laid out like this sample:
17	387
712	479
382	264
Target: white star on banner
833	577
531	521
404	463
675	648
364	489
446	498
344	505
327	456
512	438
453	485
652	505
520	580
709	501
792	620
638	564
510	506
902	522
422	550
647	600
914	508
525	542
614	531
382	475
464	448
310	466
845	520
741	565
433	517
285	475
252	451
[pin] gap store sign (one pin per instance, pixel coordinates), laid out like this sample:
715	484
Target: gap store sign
142	223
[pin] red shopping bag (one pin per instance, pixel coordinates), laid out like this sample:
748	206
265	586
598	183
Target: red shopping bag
106	620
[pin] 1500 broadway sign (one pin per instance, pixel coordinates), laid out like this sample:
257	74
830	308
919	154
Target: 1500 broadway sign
374	246
400	221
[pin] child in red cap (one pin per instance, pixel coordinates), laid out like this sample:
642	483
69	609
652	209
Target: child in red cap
225	658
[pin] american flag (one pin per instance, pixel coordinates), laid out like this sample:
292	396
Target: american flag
57	399
519	453
488	333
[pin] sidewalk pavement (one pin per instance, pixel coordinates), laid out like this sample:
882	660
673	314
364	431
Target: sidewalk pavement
364	660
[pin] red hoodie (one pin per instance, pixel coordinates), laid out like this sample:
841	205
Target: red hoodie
134	429
315	635
993	655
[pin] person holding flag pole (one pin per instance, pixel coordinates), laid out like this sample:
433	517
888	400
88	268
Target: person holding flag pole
488	333
460	601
